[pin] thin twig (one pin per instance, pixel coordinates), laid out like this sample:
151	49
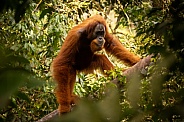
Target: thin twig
128	19
37	5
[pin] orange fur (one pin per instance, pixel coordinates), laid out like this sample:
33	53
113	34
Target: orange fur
77	54
93	46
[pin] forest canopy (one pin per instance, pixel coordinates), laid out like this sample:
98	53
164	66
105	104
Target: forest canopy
32	32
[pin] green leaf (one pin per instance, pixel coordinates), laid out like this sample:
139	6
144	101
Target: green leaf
23	96
11	80
44	12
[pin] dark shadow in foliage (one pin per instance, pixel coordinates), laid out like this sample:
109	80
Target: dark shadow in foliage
167	81
19	6
14	72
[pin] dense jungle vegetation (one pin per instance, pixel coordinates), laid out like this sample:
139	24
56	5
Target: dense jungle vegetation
32	32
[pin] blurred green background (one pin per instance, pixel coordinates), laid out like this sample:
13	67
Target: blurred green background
32	32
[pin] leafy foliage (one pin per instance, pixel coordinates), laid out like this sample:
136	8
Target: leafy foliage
32	34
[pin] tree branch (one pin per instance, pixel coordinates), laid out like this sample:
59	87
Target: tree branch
49	116
139	67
